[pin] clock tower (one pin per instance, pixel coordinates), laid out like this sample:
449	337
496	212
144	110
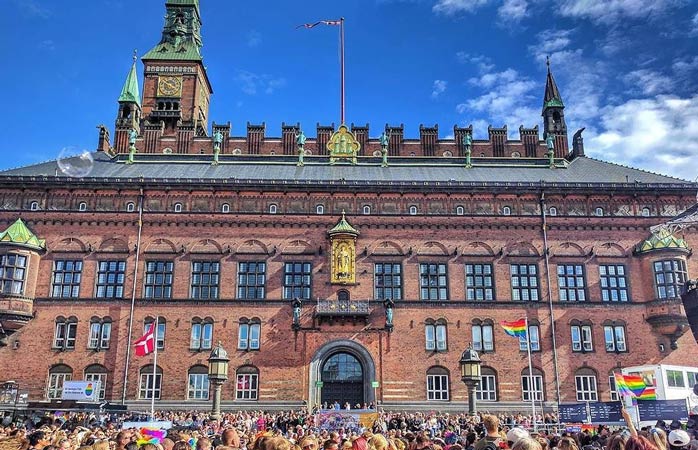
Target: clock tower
176	89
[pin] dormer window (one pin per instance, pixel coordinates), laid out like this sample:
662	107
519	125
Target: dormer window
320	209
460	210
225	208
599	212
552	211
34	206
82	206
506	211
130	207
413	210
273	209
177	207
367	210
645	212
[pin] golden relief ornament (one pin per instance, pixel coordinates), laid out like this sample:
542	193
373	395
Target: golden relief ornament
343	261
169	86
343	145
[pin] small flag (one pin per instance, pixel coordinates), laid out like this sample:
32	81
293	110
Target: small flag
634	386
321	22
515	329
146	344
151	436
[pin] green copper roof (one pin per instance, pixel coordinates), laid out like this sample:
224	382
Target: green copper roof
553	102
662	240
129	93
181	34
343	227
19	234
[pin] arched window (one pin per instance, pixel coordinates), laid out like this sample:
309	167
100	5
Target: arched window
435	335
581	336
150	383
82	206
34	206
533	337
162	326
460	210
225	208
201	334
319	209
65	333
177	207
198	383
506	211
413	210
645	212
437	383
273	208
97	372
487	390
249	334
100	333
130	207
585	384
599	211
367	209
532	386
552	211
614	336
483	335
247	383
57	375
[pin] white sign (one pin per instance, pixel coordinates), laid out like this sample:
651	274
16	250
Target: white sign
84	391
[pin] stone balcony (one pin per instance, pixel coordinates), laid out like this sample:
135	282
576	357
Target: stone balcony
668	318
342	310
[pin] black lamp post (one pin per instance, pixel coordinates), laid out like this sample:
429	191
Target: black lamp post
470	375
217	375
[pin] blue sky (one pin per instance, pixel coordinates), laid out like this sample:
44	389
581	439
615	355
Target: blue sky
627	69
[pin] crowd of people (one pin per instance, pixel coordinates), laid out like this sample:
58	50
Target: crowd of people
299	430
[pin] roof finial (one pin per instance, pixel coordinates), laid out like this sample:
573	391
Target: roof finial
547	62
342	214
135	55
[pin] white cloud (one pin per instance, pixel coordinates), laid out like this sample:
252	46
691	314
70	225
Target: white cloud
551	40
694	25
649	82
483	63
513	10
490	79
658	134
438	88
252	83
450	7
611	11
47	44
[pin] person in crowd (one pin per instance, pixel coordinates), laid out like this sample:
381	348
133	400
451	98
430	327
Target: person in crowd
492	436
678	440
515	434
526	443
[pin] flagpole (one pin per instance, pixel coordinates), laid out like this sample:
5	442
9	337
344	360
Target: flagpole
155	369
530	376
341	67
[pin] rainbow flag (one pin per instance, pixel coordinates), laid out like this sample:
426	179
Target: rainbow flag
515	329
151	436
634	386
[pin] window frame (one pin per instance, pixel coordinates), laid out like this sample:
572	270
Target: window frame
99	337
104	288
250	393
673	379
130	207
65	333
678	276
379	281
292	290
436	336
247	330
612	280
205	284
538	382
160	332
154	289
571	287
252	291
15	264
613	344
438	385
521	282
584	341
57	376
200	388
477	282
460	210
225	208
586	387
73	274
426	276
535	342
486	390
613	390
201	334
93	376
319	209
478	332
147	385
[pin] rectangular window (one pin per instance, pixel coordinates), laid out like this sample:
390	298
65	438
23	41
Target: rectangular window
160	335
692	378
100	334
674	378
204	279
102	378
586	388
12	271
252	280
66	278
110	279
669	277
65	335
150	385
55	385
614	391
581	338
198	386
483	338
524	282
532	388
437	387
435	336
533	337
297	280
201	336
614	337
487	390
570	281
433	281
479	282
246	387
249	336
614	284
158	279
387	281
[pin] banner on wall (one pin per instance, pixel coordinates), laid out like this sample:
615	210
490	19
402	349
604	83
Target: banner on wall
355	421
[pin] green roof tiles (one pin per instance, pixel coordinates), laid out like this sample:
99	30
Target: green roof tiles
343	227
130	93
662	240
188	52
181	34
19	234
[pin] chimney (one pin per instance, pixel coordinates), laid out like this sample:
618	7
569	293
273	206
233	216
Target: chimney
458	134
361	135
529	139
427	138
225	131
498	137
288	138
578	144
396	138
324	133
255	138
103	144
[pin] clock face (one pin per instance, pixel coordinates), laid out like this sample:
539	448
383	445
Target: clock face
169	86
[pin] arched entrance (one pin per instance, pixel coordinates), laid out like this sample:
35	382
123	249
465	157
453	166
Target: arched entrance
342	377
341	370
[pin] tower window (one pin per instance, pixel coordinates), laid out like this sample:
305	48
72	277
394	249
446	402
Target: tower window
557	118
130	207
82	206
506	211
460	211
320	209
225	208
413	210
645	212
367	210
552	211
34	206
599	212
273	209
177	207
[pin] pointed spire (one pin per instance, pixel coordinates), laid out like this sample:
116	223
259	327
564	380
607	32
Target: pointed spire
181	34
129	93
552	94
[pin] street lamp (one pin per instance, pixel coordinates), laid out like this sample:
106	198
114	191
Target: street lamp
470	375
217	375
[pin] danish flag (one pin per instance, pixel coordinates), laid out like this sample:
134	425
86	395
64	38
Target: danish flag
146	344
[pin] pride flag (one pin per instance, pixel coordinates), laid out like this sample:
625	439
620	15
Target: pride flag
635	386
515	329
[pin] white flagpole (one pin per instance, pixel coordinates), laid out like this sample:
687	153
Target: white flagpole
155	368
531	383
341	68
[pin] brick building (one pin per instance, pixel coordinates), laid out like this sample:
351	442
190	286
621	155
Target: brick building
217	235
